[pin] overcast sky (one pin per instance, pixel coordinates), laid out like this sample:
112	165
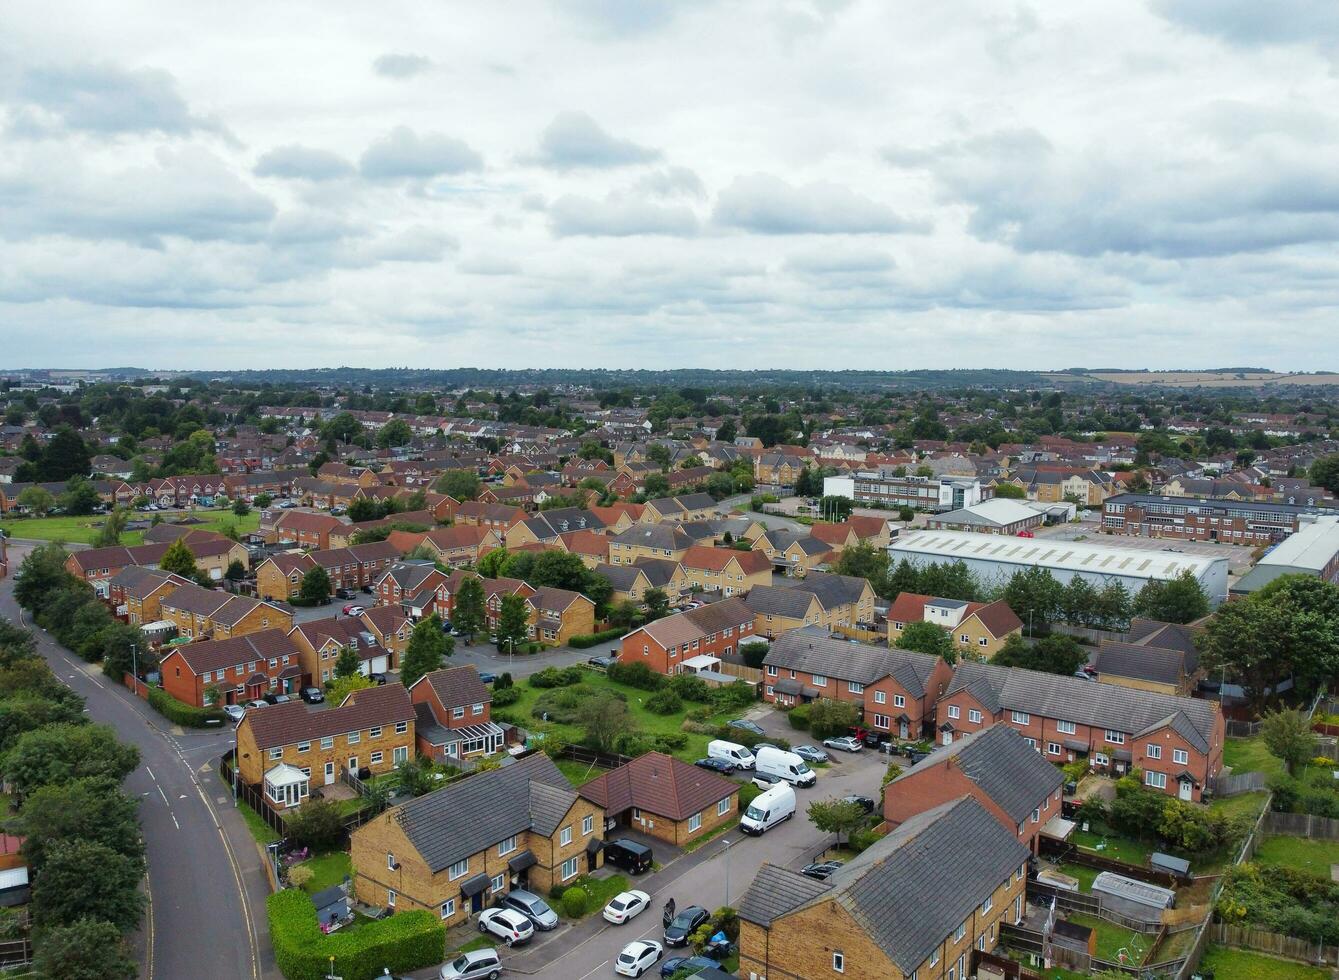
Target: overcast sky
817	183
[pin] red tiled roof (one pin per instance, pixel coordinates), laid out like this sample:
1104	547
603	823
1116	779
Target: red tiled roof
203	655
283	724
659	784
703	556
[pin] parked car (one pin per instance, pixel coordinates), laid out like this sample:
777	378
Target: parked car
627	854
377	679
625	906
864	802
344	593
313	695
716	765
821	870
446	626
689	965
487	677
747	726
638	957
532	907
256	704
604	663
810	753
510	926
684	924
478	964
353	609
234	711
769	809
732	752
783	765
847	743
273	698
765	780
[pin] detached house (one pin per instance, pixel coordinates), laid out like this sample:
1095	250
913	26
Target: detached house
391	627
982	627
286	746
453	708
461	848
241	669
1177	743
413	584
913	906
658	795
320	642
997	768
713	632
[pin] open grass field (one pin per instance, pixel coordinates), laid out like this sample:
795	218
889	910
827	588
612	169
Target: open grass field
82	530
1239	964
1301	853
1251	755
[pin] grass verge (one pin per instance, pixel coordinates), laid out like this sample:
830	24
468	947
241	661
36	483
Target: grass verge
1300	853
1240	964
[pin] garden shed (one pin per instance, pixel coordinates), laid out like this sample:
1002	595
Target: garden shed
1133	899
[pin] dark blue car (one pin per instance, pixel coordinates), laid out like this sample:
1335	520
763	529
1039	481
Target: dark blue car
693	964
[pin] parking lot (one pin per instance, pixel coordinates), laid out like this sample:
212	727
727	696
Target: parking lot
1238	556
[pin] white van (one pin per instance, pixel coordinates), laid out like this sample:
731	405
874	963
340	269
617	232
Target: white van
769	809
731	752
784	765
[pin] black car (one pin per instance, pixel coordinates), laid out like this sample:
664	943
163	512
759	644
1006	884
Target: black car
691	964
864	802
313	695
377	679
716	765
684	924
604	663
487	677
344	593
820	871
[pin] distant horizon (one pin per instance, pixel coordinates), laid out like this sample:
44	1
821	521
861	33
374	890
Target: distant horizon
1069	369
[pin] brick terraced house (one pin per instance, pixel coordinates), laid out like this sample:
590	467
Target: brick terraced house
241	669
453	708
200	613
715	630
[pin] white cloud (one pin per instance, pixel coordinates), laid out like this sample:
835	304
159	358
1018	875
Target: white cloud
302	162
401	65
767	205
618	216
575	140
403	153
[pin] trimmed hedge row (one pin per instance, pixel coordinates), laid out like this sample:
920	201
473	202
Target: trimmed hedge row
584	640
181	713
405	941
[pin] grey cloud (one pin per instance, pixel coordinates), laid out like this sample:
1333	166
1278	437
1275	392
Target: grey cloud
672	182
104	98
490	265
768	205
302	162
1250	23
401	65
403	153
618	216
827	261
620	18
574	140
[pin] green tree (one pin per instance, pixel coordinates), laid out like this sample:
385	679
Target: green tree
605	718
1078	602
1035	596
65	456
315	587
490	563
928	638
1287	733
27	711
468	615
110	532
840	817
828	717
318	824
396	432
60	753
178	559
656	485
867	562
1177	600
90	949
80	496
624	613
37	500
262	500
347	663
1054	654
657	604
658	453
513	623
342	687
236	571
84	879
836	508
1324	472
1010	491
727	431
461	484
428	649
903	577
343	427
770	429
92	809
240	507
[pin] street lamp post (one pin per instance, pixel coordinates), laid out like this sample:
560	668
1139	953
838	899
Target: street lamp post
725	849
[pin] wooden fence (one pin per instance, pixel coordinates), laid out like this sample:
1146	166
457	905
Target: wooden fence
1238	783
1242	729
1302	825
864	636
602	760
743	671
1061	851
1274	942
15	953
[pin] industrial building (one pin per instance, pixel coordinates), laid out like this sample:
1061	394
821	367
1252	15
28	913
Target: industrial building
999	515
1203	518
918	492
993	558
1313	550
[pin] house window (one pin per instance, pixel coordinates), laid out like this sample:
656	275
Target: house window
899	701
376	758
374	733
988	904
1158	780
457	870
448	908
973	716
399	754
723	807
1020	717
964	638
401	727
354	737
1155	751
855	688
953	711
1031	742
1036	815
1100	759
1065	727
819	680
771	671
458	712
959	932
277	753
569	869
695	822
982	642
880	721
565	836
507	846
587	824
1115	738
499	883
1052	748
838	962
390	861
880	697
1181	757
934	957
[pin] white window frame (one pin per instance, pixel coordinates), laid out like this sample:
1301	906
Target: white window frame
1181	757
587	824
1065	727
1020	717
695	822
565	836
723	807
564	873
838	961
1153	751
458	870
505	847
973	716
1114	737
899	701
448	908
1154	779
954	711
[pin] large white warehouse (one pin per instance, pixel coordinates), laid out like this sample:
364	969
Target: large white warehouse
994	558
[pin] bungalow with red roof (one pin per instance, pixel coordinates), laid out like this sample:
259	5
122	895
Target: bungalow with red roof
662	797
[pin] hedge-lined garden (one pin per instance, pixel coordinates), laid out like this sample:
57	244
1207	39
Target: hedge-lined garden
405	941
181	713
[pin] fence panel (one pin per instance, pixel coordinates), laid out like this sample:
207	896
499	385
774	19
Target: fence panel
1302	825
1242	729
1238	783
743	671
1274	942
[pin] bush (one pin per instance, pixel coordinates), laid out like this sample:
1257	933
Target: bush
574	902
828	717
503	682
664	702
181	713
700	714
753	653
564	705
402	942
636	675
557	677
798	717
506	696
749	739
690	687
734	696
861	840
317	824
584	640
669	742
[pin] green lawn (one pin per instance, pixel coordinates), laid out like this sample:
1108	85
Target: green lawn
1301	853
327	870
1250	803
1112	846
598	890
82	530
1111	939
1082	873
478	942
260	830
577	773
1250	755
1238	964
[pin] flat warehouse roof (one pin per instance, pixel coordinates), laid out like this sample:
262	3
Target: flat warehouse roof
1077	556
1313	546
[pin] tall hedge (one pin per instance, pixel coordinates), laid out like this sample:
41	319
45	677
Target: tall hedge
181	713
403	942
583	640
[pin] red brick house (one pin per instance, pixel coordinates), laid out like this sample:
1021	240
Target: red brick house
714	630
1176	742
453	708
243	668
305	529
411	583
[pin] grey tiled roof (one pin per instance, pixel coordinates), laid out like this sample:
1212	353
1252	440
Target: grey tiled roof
457	821
999	760
1147	663
1105	706
814	651
770	600
941	863
833	590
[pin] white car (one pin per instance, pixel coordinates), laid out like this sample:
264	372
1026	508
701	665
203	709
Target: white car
847	743
638	957
507	924
625	905
234	711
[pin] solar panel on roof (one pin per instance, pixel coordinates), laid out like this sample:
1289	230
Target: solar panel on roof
1147	562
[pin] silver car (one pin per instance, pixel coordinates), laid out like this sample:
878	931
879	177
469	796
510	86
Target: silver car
474	965
532	907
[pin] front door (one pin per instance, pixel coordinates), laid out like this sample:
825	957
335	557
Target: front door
1186	789
353	765
329	773
948	738
477	902
902	729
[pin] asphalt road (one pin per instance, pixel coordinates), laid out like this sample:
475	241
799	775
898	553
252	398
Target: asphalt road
205	883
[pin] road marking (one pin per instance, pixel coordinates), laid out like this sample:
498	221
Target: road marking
148	926
593	972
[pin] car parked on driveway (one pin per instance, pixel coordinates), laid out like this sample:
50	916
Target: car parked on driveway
864	802
820	870
510	926
478	964
604	663
810	753
344	593
625	906
638	957
716	765
744	724
353	609
765	780
273	698
235	712
257	703
532	907
684	924
847	743
313	695
689	965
